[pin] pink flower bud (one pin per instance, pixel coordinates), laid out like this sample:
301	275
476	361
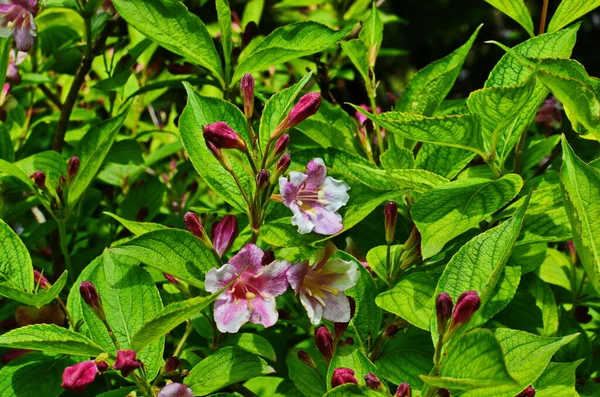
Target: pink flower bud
306	359
171	279
528	392
127	362
102	366
193	224
403	390
40	280
247	86
73	166
282	144
372	381
176	390
92	299
341	376
443	311
214	150
77	377
222	136
324	342
390	212
172	364
262	179
283	164
307	106
39	178
467	303
224	234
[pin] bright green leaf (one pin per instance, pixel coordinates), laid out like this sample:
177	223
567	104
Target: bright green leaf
16	270
570	10
517	10
134	227
252	343
41	298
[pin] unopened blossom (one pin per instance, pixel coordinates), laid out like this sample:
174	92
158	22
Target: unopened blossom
467	303
321	286
77	377
314	199
251	296
127	362
40	280
528	392
17	19
403	390
221	135
341	376
224	233
372	381
324	342
176	390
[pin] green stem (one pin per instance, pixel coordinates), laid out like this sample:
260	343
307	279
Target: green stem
388	257
188	330
62	231
372	94
543	17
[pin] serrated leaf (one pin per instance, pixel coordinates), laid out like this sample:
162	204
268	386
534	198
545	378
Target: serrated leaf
16	270
517	10
177	252
252	343
39	299
289	42
397	157
50	338
446	161
372	34
224	367
308	380
134	227
570	10
557	380
358	54
449	210
350	357
169	318
430	85
581	189
171	25
224	19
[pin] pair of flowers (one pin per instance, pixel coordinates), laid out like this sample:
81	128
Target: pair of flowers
250	288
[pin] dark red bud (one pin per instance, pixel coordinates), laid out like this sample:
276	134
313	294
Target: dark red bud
403	390
341	376
324	342
172	364
102	366
284	163
13	354
372	381
40	280
307	106
73	166
262	179
194	225
222	136
467	303
390	212
92	299
306	359
247	86
443	311
528	392
127	362
224	233
214	150
77	377
282	144
39	178
391	331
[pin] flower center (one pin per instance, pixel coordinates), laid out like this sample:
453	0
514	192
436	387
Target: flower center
307	198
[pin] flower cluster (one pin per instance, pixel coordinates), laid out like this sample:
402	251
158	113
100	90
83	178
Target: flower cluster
17	19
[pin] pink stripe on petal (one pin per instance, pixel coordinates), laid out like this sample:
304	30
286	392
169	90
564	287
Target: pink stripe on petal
316	173
231	314
249	258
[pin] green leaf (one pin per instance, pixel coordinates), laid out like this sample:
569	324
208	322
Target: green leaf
538	147
7	152
376	258
5	43
449	210
33	374
173	251
136	228
544	299
557	380
480	265
406	356
199	112
446	161
169	318
358	54
397	157
289	42
49	162
473	360
92	149
350	357
570	10
130	299
50	338
252	343
308	380
277	108
171	25
16	270
124	68
430	85
372	34
224	17
517	10
581	189
349	390
224	367
41	298
555	269
411	298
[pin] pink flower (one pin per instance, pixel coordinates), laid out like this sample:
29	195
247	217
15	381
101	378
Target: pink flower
320	286
224	233
17	18
314	198
251	297
127	362
76	377
176	390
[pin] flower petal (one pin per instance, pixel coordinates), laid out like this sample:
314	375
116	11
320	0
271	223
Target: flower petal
231	314
337	308
289	189
326	222
302	219
249	259
274	276
217	279
335	193
264	311
315	172
314	309
295	275
340	274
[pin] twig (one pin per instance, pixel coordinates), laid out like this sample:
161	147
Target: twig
543	17
52	97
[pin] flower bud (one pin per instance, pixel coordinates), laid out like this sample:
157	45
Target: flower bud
102	366
283	164
443	311
176	390
172	364
40	280
77	377
219	155
528	392
467	303
193	224
39	178
127	362
391	331
92	299
282	144
247	86
73	166
222	136
372	381
390	212
341	376
403	390
262	179
224	233
306	359
307	106
171	279
443	392
324	342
